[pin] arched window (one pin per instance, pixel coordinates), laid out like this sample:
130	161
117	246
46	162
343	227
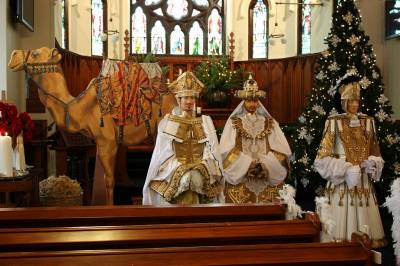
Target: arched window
98	18
305	29
258	29
177	27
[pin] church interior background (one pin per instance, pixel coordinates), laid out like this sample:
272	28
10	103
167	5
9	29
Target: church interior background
280	42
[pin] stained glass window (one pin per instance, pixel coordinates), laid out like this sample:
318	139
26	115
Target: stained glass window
97	27
195	12
201	2
260	30
214	33
306	27
151	2
177	41
159	12
196	39
177	8
139	32
189	26
158	39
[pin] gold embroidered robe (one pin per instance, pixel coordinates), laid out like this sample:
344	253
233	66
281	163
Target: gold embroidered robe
248	139
185	165
348	142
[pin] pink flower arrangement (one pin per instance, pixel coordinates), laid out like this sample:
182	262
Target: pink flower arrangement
12	123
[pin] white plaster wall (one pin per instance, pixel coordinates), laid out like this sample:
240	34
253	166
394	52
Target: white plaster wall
57	21
79	31
12	42
373	21
321	25
3	45
19	37
391	74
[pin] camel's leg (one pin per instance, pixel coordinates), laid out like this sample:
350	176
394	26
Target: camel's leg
107	155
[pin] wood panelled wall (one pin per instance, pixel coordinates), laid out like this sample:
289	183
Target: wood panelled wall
287	81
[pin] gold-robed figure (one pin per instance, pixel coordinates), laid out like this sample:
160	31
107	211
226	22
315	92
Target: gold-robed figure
254	150
185	165
349	159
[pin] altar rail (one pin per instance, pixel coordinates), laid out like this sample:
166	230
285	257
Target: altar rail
137	215
287	81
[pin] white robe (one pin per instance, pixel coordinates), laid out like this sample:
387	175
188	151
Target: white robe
235	173
164	163
347	214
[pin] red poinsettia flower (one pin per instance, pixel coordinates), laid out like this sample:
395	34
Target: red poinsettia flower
3	128
13	124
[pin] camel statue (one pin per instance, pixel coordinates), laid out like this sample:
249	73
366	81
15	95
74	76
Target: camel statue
83	113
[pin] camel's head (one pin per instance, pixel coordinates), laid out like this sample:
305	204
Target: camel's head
44	55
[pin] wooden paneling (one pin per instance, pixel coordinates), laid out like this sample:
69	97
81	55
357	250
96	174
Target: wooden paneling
135	215
305	254
287	81
156	236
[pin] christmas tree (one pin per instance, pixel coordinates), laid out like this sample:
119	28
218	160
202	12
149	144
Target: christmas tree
348	53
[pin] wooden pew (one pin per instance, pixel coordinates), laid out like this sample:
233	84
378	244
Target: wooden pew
159	235
266	254
135	215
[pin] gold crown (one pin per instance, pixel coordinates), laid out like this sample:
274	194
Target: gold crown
350	91
186	85
250	90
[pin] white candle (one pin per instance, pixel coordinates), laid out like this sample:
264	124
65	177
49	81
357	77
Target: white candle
6	156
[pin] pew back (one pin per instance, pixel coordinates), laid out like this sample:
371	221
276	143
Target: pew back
135	215
161	235
268	254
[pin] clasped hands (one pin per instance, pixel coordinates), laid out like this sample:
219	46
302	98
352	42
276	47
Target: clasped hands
256	169
353	173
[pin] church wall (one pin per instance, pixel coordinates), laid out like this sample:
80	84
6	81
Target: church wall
3	45
320	25
387	51
11	82
19	37
79	16
372	12
391	74
373	18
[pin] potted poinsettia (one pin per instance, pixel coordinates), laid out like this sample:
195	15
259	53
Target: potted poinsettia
14	124
19	127
218	79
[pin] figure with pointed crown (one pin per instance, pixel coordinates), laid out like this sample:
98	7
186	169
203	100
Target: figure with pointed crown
349	159
185	167
254	150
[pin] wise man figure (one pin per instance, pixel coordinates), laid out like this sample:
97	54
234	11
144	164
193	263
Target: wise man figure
254	150
186	166
349	159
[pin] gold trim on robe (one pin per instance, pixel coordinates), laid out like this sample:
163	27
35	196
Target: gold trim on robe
189	147
240	193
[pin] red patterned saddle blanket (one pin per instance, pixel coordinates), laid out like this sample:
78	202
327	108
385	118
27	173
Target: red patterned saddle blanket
126	90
